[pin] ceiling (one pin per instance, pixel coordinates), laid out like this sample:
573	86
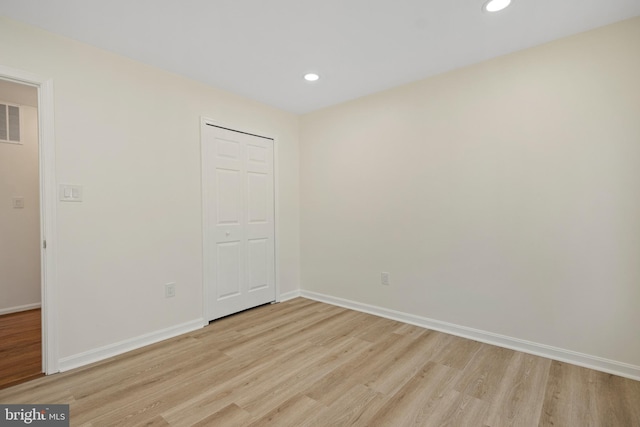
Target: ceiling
261	49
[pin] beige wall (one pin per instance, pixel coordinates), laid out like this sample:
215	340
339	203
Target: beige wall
130	135
502	196
20	228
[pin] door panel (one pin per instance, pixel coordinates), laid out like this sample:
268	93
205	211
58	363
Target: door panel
257	154
257	186
228	190
258	264
238	220
228	149
228	274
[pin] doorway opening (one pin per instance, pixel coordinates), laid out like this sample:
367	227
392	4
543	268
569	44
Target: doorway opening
27	227
20	258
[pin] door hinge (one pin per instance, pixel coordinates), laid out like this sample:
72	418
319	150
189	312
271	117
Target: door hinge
44	244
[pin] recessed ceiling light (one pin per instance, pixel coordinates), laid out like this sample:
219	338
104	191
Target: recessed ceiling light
311	77
496	5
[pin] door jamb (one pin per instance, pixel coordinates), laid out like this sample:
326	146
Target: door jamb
48	231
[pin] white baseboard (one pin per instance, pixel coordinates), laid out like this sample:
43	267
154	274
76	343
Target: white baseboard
585	360
289	295
19	308
91	356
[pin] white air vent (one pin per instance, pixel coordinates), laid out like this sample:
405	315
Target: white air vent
9	123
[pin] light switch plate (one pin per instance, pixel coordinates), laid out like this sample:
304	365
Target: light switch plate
70	193
17	202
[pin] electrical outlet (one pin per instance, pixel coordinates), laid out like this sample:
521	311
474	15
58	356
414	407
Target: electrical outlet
170	290
384	278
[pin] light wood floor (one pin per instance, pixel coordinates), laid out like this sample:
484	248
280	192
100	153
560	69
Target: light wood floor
20	347
304	363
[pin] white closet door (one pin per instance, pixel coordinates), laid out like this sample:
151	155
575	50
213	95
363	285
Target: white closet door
239	220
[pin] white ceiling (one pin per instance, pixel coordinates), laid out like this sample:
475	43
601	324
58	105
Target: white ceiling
261	49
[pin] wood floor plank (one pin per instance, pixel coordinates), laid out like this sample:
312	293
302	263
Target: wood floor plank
519	398
379	328
285	336
318	326
458	409
224	384
20	347
305	363
417	400
359	408
231	415
155	422
293	412
485	372
226	388
409	354
299	375
335	384
456	352
615	402
143	397
350	321
567	400
581	396
140	368
273	323
409	330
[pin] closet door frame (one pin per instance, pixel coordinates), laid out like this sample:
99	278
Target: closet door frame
206	245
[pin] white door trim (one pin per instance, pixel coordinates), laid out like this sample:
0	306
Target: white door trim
204	121
47	151
276	220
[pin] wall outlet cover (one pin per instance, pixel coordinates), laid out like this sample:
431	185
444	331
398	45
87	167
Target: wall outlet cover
170	290
384	278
